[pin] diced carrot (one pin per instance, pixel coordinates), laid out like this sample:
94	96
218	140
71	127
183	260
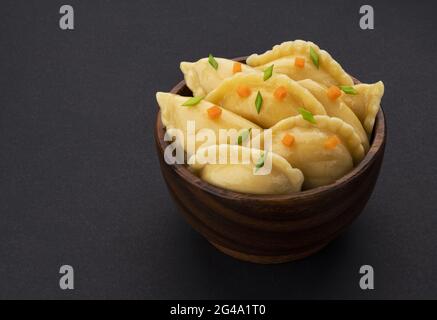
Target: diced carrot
236	68
334	92
288	140
332	142
280	93
299	62
214	112
243	91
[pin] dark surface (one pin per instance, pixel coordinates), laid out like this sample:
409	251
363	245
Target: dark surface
80	182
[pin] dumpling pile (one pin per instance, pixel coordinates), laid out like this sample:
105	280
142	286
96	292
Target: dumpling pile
292	107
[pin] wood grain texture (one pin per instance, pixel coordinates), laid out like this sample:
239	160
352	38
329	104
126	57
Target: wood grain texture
272	228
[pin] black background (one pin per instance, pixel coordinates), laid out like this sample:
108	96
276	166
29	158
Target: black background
80	182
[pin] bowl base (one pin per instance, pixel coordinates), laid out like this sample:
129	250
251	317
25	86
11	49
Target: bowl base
266	259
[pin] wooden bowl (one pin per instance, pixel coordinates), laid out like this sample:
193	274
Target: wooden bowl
272	228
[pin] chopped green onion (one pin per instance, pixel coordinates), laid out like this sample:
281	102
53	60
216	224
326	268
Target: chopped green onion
243	136
260	163
348	89
212	61
192	101
258	102
268	72
308	116
314	57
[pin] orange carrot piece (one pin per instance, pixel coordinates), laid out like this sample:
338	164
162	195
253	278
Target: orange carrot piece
243	91
280	93
214	112
299	62
236	68
333	92
288	140
332	142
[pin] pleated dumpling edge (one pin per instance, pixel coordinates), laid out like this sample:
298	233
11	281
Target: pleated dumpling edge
283	178
327	72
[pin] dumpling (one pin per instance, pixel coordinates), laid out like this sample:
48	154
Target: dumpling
293	58
365	103
201	77
281	97
337	108
175	116
241	176
324	151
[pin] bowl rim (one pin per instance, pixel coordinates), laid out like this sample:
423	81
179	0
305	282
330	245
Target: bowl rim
377	143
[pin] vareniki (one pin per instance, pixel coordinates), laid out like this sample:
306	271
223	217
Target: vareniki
324	150
239	93
295	110
203	115
302	60
205	75
241	176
